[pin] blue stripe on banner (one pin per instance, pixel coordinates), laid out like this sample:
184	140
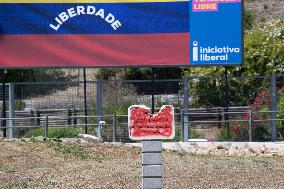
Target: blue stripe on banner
102	18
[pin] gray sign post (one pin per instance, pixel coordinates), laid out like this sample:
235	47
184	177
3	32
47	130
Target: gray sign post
151	164
151	129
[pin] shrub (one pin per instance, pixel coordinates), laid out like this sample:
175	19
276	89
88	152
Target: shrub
193	134
54	133
261	130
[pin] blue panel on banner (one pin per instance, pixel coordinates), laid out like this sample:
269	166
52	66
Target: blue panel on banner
216	35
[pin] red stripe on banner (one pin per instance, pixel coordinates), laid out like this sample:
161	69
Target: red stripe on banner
94	50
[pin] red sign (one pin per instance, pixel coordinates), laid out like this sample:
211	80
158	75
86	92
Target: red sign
143	126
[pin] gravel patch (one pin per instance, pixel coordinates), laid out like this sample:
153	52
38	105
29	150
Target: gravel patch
40	165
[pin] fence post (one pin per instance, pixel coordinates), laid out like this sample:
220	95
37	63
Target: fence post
185	110
99	105
219	117
85	102
69	114
3	103
11	110
74	117
182	125
273	108
32	121
46	127
250	125
37	117
114	128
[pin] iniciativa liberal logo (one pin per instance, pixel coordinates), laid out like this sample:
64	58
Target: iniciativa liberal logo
209	53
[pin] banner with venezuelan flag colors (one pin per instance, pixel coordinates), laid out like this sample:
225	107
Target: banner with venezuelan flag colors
95	33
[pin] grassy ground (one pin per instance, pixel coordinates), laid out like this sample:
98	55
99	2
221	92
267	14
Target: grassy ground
96	165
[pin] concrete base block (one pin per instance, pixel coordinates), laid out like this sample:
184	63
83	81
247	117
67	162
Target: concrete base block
152	146
152	171
151	183
151	158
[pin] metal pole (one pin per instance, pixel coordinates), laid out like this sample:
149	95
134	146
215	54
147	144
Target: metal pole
11	109
114	128
250	125
46	127
182	125
153	89
4	103
69	114
227	103
37	117
99	106
85	102
273	108
185	116
74	117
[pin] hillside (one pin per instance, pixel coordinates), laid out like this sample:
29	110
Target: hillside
264	11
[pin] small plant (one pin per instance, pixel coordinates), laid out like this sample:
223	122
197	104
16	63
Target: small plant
195	133
69	150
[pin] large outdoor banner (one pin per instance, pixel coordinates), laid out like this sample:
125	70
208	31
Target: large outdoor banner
68	33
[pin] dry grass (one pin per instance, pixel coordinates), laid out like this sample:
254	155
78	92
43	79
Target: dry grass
46	165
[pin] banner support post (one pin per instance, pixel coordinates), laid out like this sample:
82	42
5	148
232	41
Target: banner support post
85	102
227	96
3	104
153	89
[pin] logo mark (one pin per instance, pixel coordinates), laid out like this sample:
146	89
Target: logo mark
195	51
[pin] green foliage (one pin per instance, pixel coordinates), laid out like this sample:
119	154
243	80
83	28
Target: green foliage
263	55
138	73
145	74
36	75
261	126
19	105
206	92
159	73
118	97
177	137
280	113
264	50
69	150
32	75
223	134
54	133
193	134
248	20
108	73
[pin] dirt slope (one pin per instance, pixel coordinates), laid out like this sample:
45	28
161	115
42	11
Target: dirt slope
96	165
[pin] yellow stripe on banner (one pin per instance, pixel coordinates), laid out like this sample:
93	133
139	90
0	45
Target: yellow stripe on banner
88	1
